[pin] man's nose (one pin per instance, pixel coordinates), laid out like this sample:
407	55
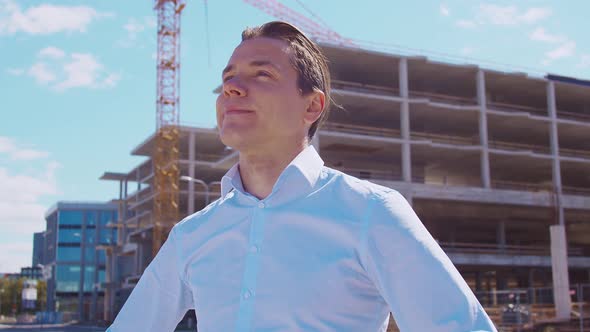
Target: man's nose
234	87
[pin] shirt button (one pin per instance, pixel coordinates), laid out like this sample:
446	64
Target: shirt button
254	249
247	294
261	205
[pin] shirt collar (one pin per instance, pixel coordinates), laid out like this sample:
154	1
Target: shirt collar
306	166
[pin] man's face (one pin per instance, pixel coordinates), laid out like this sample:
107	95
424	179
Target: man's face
260	103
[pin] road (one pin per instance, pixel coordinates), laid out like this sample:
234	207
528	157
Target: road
54	328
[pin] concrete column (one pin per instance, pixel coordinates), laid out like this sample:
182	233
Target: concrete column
138	255
483	130
191	172
315	141
558	238
405	120
532	297
556	166
109	291
116	283
559	265
501	234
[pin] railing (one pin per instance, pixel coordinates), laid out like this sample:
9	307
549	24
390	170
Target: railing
575	190
361	130
572	115
361	87
502	184
518	147
574	153
440	138
464	101
514	107
484	248
364	173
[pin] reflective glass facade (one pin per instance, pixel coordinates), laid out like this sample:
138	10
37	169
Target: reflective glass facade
74	230
68	278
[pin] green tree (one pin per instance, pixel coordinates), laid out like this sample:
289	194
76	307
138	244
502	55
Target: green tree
41	295
11	295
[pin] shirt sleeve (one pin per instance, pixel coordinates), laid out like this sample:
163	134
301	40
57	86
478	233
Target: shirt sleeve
422	287
161	297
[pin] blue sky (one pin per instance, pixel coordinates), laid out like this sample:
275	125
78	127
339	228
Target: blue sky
77	78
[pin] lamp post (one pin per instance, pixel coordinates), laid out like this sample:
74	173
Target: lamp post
201	182
1	295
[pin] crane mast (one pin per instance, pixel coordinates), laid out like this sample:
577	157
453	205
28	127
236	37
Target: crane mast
166	151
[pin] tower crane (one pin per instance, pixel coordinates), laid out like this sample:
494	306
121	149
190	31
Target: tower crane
166	151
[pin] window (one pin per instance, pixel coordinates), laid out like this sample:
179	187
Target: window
91	217
89	278
106	217
102	276
68	253
70	235
102	257
71	217
90	235
68	278
106	236
89	253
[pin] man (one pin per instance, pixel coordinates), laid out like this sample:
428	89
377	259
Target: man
292	245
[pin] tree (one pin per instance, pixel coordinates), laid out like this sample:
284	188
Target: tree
41	295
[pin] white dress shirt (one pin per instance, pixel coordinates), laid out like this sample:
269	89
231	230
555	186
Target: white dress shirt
324	252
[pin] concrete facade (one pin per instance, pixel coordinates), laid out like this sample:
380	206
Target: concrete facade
490	161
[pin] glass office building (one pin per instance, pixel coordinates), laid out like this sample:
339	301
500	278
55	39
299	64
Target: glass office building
74	231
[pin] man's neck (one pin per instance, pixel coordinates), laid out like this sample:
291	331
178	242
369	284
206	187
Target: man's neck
260	170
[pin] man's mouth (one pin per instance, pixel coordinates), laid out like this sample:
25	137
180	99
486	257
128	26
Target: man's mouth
238	111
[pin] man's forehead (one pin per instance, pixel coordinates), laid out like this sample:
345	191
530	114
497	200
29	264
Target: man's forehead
261	49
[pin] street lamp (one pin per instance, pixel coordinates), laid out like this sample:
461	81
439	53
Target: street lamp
1	294
201	182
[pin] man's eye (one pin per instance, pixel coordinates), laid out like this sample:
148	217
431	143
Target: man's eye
263	73
227	78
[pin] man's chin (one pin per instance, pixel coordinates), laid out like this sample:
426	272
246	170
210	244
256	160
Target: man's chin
234	140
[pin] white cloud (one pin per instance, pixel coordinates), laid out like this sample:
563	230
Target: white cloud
504	15
20	253
84	70
15	71
467	24
510	15
533	15
41	72
52	52
45	19
444	10
539	34
135	27
16	152
467	50
21	193
22	212
564	50
63	71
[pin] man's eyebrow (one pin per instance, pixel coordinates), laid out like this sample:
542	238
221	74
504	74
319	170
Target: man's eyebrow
255	63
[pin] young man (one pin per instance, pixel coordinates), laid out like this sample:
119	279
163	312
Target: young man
292	245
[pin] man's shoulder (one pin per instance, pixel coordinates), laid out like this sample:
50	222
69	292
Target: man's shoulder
198	217
353	185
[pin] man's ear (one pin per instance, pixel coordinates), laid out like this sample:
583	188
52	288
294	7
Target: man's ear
315	107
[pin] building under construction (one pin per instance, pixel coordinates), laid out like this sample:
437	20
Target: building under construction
496	165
